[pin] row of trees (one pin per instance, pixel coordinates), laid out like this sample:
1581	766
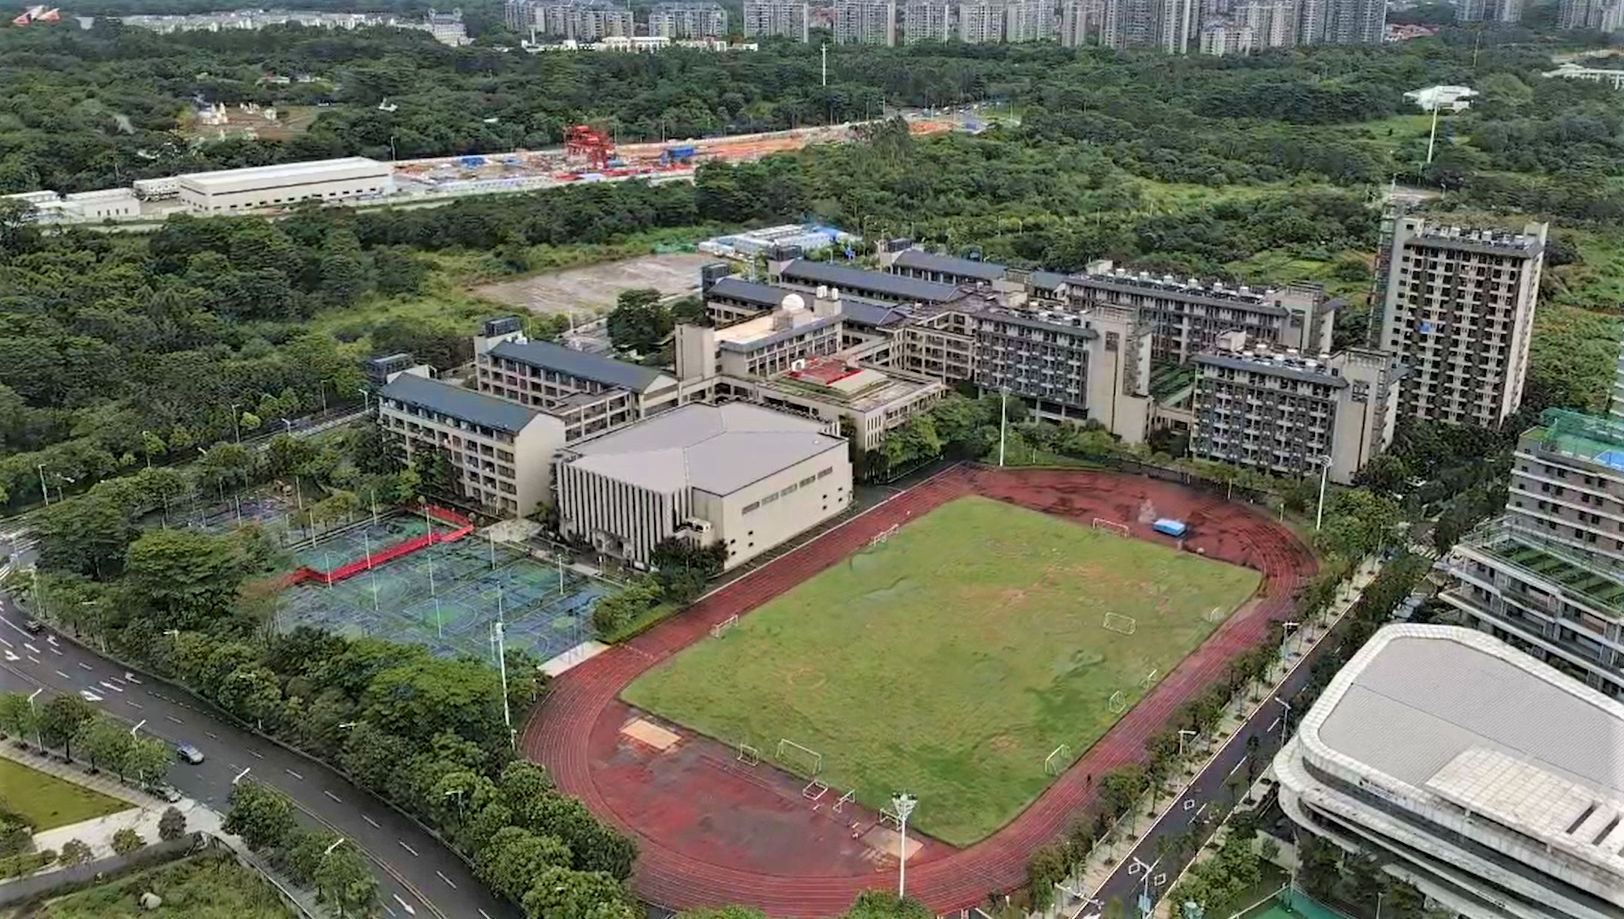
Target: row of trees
264	819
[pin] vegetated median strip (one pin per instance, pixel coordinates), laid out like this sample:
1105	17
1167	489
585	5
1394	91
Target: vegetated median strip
1330	626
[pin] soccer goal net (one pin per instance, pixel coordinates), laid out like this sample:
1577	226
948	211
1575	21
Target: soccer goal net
1118	703
1116	622
722	628
1216	614
799	759
1110	526
1056	762
882	537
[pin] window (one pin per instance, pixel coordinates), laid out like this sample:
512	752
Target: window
752	507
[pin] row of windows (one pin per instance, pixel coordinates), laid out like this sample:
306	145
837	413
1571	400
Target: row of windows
788	490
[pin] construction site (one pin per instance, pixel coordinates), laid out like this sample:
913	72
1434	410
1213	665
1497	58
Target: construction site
591	155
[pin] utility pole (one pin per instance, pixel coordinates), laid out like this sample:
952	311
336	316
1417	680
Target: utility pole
1003	424
1433	137
825	51
1319	510
499	638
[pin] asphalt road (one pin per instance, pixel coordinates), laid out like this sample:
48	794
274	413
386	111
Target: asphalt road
1202	803
420	876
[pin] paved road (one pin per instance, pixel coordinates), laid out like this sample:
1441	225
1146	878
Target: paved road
420	877
1207	795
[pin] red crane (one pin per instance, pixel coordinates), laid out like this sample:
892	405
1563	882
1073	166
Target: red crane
584	140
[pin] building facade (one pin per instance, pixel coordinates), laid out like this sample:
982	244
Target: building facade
1029	20
237	190
865	22
500	452
1341	22
776	19
1290	414
1459	312
737	474
688	20
574	20
1078	18
1501	11
1548	576
928	20
1273	23
1476	773
981	22
1600	15
1223	38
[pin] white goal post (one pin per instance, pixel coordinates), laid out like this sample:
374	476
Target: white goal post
880	538
1116	622
721	628
799	759
1216	614
1118	703
1056	762
1110	526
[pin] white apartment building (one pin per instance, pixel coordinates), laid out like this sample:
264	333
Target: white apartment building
1176	25
738	474
1600	15
1223	38
776	18
1486	779
1272	22
865	22
981	22
1188	316
1029	20
236	190
501	451
1076	17
573	20
1459	312
1548	577
688	20
928	20
1503	11
1129	24
1287	413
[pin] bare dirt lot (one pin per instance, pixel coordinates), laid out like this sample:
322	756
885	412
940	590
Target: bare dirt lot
594	288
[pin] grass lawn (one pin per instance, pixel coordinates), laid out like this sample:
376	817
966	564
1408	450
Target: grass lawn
48	802
952	660
202	887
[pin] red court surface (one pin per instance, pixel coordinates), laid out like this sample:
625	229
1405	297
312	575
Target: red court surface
713	831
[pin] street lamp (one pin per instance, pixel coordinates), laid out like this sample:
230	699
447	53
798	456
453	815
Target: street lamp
1182	734
138	726
903	803
236	424
46	492
1284	719
239	776
336	843
35	716
1319	510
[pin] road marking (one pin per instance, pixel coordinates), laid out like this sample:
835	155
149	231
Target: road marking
450	883
63	675
112	686
333	796
12	657
33	650
174	719
50	639
485	914
32	659
405	906
212	735
135	705
55	650
1203	807
257	754
89	696
1274	724
6	643
85	666
294	774
389	909
371	821
403	845
1237	767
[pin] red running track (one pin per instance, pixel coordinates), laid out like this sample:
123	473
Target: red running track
559	733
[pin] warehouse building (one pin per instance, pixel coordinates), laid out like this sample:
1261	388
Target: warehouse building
232	191
1289	414
737	474
1459	311
1548	576
1485	778
501	451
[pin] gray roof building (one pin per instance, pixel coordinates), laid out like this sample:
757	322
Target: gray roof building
765	296
948	269
457	402
859	281
579	364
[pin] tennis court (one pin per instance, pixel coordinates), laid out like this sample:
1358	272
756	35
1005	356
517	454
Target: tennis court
445	595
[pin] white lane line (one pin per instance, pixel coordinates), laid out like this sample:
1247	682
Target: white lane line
449	883
333	796
31	649
257	754
403	845
32	659
485	914
1203	807
371	821
63	675
135	705
174	719
389	909
1237	767
111	686
294	774
55	650
82	665
212	735
7	643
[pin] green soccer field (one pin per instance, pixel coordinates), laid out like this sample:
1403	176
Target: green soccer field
951	661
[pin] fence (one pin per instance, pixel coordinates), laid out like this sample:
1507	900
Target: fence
463	526
56	883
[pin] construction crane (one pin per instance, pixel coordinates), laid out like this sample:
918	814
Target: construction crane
585	141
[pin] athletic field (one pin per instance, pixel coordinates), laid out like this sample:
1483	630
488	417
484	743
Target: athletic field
951	660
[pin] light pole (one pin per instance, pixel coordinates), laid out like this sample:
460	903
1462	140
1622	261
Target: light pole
904	804
336	843
138	726
1182	734
239	776
1285	720
236	425
34	715
1319	511
1379	895
1003	424
46	492
366	399
146	449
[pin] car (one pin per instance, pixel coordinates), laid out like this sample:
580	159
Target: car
189	753
168	792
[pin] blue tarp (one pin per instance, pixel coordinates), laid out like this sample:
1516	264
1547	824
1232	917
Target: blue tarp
1169	527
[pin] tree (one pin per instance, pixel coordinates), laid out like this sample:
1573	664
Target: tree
60	719
1045	867
75	852
639	322
512	860
148	760
344	882
880	904
127	840
87	535
1121	788
171	825
683	566
559	893
189	577
261	816
105	743
18	717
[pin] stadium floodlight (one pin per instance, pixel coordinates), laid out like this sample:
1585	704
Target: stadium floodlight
1319	510
903	803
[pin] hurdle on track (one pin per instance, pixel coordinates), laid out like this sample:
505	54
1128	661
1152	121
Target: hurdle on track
1056	762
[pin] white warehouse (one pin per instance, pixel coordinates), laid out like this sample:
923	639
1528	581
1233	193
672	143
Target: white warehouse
238	190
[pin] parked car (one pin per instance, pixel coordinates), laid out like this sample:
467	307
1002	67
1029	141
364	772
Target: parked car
189	753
